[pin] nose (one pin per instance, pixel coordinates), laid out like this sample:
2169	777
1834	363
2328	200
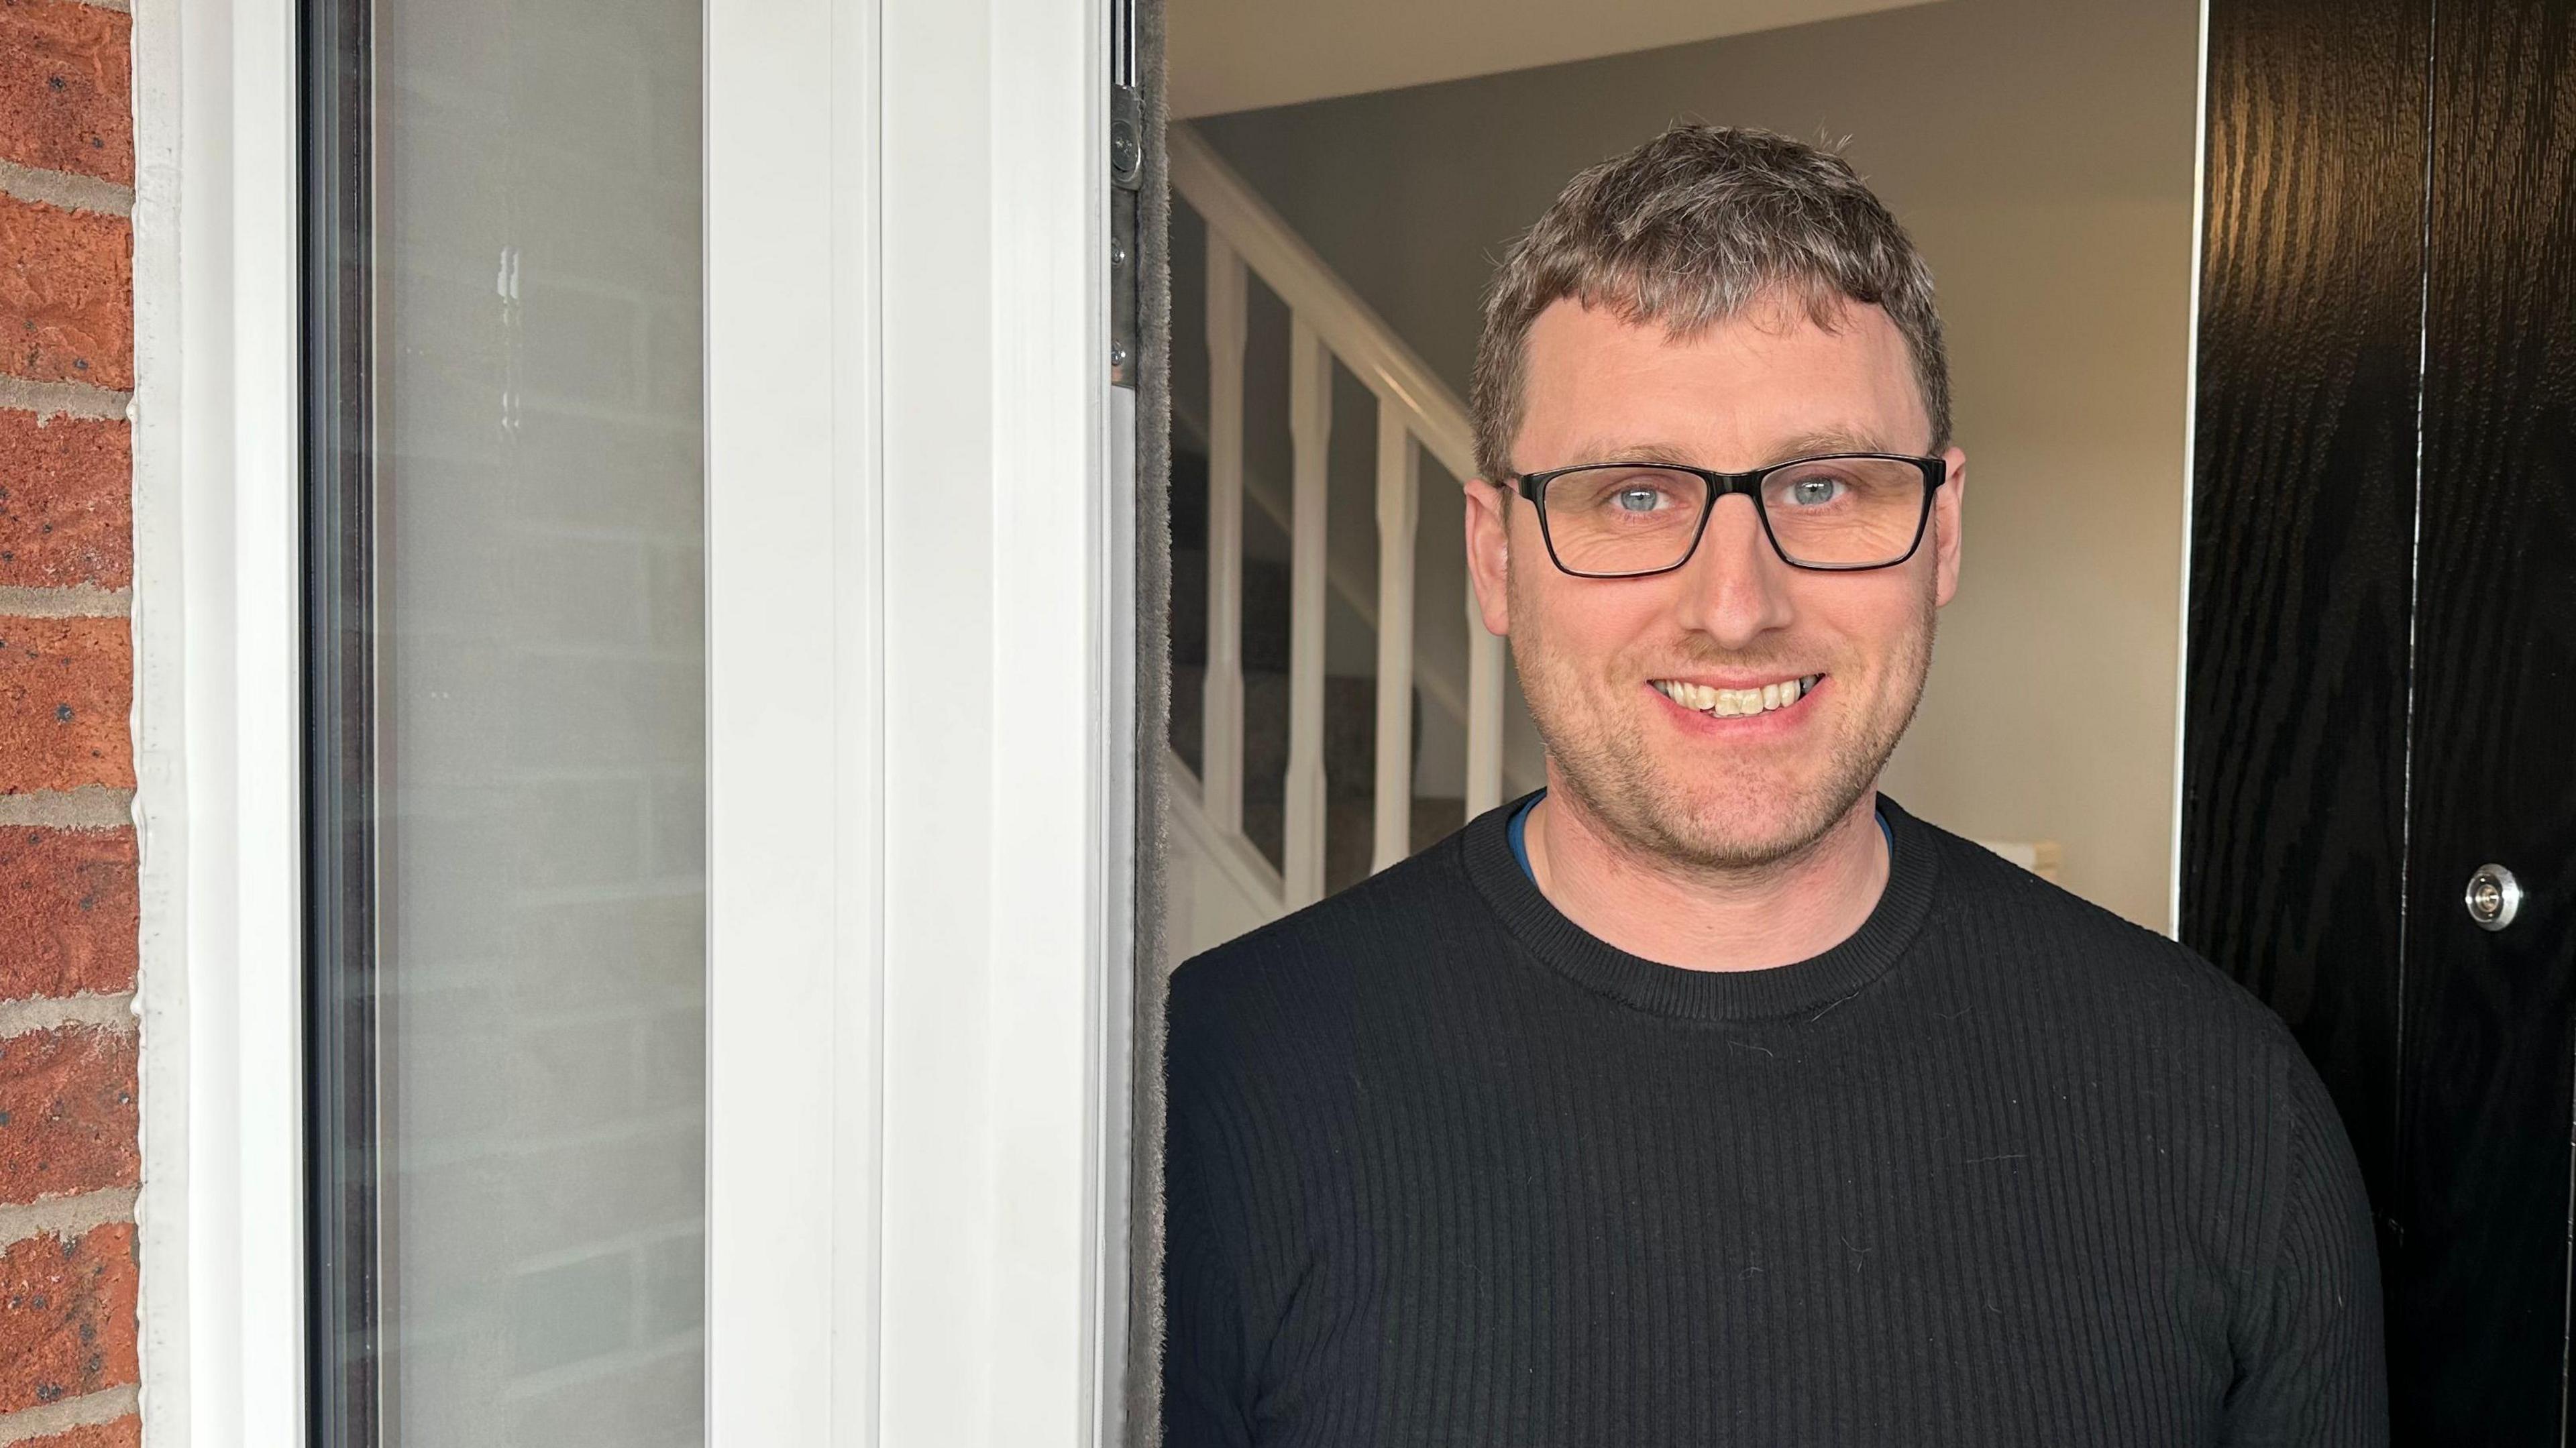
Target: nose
1735	588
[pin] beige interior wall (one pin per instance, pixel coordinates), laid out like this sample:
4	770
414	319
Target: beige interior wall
2041	152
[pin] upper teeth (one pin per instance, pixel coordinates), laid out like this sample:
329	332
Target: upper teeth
1727	703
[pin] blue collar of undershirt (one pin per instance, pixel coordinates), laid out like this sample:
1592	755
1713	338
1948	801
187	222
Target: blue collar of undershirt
1520	842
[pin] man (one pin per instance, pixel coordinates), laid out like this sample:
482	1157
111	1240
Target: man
1708	1096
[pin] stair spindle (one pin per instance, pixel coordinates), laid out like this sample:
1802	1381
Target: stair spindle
1399	476
1310	424
1484	713
1221	717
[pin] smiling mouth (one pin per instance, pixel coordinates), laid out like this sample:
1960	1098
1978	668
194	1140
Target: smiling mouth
1737	703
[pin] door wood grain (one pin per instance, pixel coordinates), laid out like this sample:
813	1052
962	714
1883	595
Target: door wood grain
2479	1289
2303	484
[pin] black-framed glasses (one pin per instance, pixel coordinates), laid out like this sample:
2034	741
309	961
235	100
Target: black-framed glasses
1836	513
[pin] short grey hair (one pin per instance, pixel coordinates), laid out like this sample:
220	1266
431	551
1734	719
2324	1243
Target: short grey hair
1689	229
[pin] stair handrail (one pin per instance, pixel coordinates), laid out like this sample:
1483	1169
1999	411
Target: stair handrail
1357	335
1328	321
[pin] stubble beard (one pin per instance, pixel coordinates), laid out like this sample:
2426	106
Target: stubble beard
1724	824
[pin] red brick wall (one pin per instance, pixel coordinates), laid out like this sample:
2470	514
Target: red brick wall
69	1165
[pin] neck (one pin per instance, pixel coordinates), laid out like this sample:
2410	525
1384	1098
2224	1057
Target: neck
1748	919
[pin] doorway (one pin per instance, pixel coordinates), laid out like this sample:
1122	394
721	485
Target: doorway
1355	176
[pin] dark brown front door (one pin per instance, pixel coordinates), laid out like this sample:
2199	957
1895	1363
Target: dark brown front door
2382	681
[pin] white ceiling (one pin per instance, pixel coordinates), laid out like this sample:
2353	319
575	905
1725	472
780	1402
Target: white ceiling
1236	55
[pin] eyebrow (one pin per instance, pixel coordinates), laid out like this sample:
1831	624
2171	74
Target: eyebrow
1807	444
1831	440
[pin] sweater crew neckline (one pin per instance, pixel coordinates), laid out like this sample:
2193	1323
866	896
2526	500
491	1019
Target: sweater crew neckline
1804	986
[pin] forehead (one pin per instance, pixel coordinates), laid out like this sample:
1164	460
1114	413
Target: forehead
1731	395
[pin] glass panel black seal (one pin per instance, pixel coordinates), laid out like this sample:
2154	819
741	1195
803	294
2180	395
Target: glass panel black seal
343	1282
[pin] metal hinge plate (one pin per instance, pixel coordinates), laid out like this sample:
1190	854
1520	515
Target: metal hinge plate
1126	177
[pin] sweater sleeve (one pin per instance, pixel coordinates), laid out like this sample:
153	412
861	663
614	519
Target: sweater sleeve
1205	1224
2315	1372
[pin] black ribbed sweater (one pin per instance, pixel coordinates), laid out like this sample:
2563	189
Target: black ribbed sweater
1999	1169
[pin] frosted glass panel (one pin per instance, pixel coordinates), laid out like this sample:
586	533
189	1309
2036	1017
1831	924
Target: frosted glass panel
539	737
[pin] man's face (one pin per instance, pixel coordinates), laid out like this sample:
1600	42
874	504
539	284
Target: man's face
1768	385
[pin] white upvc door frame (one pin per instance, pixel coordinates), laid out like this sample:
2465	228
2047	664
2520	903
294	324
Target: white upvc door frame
216	723
918	739
919	726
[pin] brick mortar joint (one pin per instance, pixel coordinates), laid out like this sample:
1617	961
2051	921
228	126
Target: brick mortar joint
66	190
88	807
67	1217
49	400
107	1011
89	1410
66	600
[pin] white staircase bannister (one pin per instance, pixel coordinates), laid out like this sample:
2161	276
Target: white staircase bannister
1353	585
1310	432
1221	718
1416	414
1363	341
1399	499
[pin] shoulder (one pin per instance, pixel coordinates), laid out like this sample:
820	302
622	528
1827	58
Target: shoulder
2169	1046
2094	971
1271	1004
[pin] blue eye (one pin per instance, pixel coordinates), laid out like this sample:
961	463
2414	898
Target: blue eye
1636	500
1814	491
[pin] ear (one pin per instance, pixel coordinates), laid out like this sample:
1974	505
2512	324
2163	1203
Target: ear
1489	553
1947	506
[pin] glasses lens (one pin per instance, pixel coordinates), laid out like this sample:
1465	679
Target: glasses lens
1623	519
1845	512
